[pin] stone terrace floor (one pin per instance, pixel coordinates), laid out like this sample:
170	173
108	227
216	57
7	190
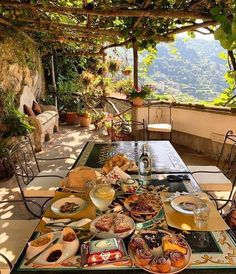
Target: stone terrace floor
68	142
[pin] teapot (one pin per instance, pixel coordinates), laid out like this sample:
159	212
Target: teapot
130	186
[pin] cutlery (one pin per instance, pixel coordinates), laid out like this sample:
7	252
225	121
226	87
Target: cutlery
63	226
57	221
41	252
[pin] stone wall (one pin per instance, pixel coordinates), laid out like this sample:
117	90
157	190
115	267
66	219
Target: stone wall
21	66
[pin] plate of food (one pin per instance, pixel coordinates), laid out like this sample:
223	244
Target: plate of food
65	247
112	225
143	204
68	206
185	203
159	252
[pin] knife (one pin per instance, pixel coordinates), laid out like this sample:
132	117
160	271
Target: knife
41	252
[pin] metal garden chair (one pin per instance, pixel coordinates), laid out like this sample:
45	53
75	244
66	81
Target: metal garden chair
32	182
128	130
159	118
221	177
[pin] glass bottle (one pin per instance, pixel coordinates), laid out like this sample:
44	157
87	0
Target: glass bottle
144	166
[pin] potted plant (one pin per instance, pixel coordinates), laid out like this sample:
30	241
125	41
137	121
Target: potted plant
13	124
72	107
102	69
84	118
97	119
138	95
6	170
114	65
86	78
124	86
127	70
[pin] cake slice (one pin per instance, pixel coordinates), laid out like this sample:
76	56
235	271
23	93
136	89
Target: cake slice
170	243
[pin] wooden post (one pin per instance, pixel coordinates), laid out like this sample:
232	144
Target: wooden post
54	86
135	57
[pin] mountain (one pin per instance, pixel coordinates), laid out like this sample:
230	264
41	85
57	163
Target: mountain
194	71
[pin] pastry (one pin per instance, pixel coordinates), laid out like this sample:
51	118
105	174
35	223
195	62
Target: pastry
145	203
177	259
161	264
121	225
143	256
153	238
118	160
170	243
136	243
104	223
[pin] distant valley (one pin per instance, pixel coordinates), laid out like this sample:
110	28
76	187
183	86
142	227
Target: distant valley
193	73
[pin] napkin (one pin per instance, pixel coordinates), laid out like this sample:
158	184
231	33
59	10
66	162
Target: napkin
117	175
65	223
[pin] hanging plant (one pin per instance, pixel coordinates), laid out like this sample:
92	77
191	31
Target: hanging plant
102	69
86	78
114	65
127	70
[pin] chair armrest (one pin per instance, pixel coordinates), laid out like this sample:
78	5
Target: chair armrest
35	123
48	107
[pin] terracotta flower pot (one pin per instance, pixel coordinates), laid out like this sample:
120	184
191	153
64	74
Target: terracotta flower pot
72	118
138	101
126	72
84	121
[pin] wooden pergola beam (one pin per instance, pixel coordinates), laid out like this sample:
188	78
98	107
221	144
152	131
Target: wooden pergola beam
153	14
63	40
193	27
55	24
83	53
72	35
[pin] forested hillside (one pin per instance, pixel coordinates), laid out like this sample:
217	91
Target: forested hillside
189	70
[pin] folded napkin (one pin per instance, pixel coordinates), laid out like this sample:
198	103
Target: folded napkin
117	175
58	224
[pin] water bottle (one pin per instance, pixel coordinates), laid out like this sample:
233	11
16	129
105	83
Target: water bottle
145	166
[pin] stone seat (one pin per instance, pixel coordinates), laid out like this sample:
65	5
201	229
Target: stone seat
44	123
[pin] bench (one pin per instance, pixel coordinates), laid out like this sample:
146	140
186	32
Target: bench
45	123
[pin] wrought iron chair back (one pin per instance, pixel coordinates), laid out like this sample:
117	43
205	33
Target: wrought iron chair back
226	163
159	113
227	157
26	168
22	156
128	130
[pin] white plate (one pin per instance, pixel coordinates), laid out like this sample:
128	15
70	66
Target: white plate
185	203
55	207
111	233
68	249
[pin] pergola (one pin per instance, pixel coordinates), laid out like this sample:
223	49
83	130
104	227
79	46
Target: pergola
90	27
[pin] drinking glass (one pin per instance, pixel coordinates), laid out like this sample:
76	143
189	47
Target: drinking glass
201	214
102	195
